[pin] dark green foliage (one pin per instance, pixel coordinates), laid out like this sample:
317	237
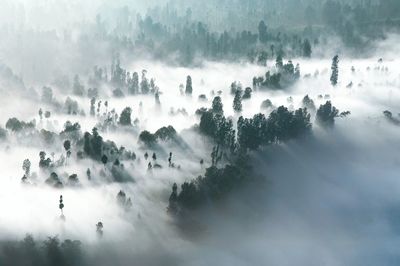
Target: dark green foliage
284	76
104	159
237	101
16	125
280	126
147	138
267	104
54	181
247	93
208	124
162	134
71	131
92	106
44	162
73	179
67	145
308	103
144	84
93	144
125	117
50	252
189	88
219	128
213	186
335	70
217	106
133	84
26	166
326	114
165	133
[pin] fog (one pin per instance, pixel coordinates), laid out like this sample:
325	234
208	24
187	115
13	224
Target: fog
330	198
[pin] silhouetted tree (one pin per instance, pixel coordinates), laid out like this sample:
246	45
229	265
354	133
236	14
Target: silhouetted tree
237	101
217	106
189	88
125	117
326	114
335	70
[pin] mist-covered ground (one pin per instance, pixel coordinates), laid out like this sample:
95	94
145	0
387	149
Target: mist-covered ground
328	197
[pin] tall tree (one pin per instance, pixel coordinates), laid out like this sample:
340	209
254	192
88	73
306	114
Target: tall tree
217	106
335	70
237	101
262	32
189	88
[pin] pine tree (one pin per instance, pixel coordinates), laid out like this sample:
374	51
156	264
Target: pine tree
335	70
189	88
217	106
237	101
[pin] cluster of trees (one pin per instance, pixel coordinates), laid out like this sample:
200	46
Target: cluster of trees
122	80
49	252
162	134
215	183
252	133
283	76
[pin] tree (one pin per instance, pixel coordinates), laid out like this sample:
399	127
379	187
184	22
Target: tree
92	106
61	205
144	84
262	32
125	117
67	145
279	62
189	88
326	115
247	93
308	103
307	48
133	85
157	98
104	160
207	124
173	200
237	102
121	198
217	106
44	163
88	174
335	70
26	166
99	229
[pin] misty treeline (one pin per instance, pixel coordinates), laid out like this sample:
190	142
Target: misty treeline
189	32
51	251
230	157
272	28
